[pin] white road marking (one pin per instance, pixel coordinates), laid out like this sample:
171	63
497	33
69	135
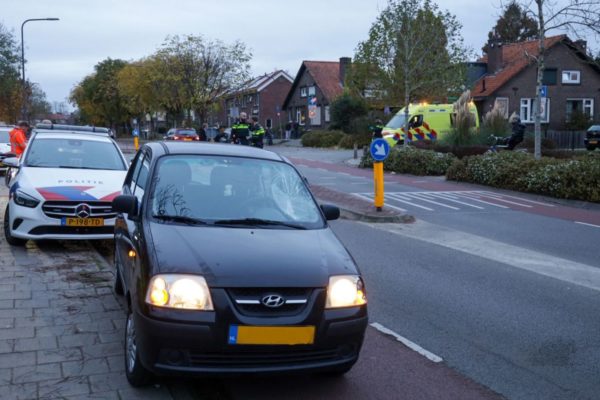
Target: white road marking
450	198
483	201
498	198
411	345
404	200
586	224
518	257
420	197
522	199
366	197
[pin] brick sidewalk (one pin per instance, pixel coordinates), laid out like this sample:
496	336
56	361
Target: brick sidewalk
61	326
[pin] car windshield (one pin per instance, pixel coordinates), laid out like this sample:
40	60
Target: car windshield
74	153
233	191
4	138
185	133
396	122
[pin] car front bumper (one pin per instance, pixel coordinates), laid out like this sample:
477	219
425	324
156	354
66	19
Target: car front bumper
33	224
201	347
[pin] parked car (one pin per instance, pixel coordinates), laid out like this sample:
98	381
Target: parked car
63	186
229	267
592	137
183	134
211	133
4	145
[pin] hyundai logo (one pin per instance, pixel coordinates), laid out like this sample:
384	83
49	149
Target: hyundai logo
83	211
273	300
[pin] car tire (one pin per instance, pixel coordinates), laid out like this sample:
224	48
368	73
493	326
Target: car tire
10	239
591	148
118	283
137	375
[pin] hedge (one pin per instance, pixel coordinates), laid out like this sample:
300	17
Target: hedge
577	178
321	138
409	160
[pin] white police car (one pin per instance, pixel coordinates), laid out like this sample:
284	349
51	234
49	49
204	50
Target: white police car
64	185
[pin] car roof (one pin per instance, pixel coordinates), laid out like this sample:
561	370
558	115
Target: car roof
594	128
71	135
212	149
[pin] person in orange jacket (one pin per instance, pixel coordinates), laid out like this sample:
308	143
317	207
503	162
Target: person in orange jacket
18	138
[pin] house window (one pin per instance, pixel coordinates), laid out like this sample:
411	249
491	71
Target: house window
571	77
527	114
315	116
303	92
301	116
581	106
502	104
549	77
312	90
249	99
327	116
269	123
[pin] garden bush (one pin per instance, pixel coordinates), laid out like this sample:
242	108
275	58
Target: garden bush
321	138
409	160
577	178
347	141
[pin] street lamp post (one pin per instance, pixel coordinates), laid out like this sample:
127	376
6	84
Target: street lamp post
24	106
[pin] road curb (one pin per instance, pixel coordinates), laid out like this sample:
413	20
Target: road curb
352	215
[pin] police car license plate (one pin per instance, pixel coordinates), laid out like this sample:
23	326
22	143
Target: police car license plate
271	335
83	222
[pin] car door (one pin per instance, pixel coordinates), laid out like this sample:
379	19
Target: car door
127	229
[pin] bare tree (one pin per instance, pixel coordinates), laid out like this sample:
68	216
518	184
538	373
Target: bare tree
576	17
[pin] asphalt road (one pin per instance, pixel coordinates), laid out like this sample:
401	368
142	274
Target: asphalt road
506	292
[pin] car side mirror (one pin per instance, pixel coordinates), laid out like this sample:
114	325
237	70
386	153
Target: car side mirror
12	162
126	204
331	212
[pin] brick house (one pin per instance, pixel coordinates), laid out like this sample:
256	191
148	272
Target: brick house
509	76
261	97
321	82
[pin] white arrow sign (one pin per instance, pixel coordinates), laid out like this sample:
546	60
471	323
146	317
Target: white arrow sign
380	150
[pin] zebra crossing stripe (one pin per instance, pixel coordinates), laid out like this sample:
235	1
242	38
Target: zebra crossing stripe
452	198
400	199
522	199
421	197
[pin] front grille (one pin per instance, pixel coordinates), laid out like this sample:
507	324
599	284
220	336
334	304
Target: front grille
248	301
71	230
62	209
278	357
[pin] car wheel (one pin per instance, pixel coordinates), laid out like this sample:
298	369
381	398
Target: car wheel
13	241
118	283
591	148
135	372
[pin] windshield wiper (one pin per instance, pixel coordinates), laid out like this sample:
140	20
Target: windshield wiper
257	221
71	167
181	218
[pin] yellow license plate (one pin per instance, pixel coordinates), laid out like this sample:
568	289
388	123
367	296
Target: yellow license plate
85	222
271	335
187	139
593	142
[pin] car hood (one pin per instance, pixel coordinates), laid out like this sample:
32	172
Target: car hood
61	184
239	257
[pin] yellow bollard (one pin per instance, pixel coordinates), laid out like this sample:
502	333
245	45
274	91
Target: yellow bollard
378	179
136	143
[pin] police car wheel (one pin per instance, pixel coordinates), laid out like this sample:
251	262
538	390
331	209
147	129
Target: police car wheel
10	239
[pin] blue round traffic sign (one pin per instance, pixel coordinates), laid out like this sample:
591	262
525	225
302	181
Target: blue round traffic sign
380	149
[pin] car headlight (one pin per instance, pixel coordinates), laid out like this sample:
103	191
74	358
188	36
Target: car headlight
345	291
25	200
188	292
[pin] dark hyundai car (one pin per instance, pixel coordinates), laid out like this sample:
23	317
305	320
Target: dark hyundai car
229	267
182	134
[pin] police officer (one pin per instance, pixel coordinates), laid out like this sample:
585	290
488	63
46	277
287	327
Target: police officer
377	129
258	133
240	131
18	138
518	132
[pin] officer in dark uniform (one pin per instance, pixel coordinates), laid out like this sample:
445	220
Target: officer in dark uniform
240	131
518	133
257	133
377	129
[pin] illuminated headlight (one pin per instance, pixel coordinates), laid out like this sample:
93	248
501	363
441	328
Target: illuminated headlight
345	291
25	200
188	292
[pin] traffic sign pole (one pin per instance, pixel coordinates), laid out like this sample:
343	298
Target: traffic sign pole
378	179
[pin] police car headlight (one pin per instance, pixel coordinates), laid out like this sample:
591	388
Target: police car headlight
188	292
25	200
345	291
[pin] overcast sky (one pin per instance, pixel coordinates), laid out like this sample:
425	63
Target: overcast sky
280	33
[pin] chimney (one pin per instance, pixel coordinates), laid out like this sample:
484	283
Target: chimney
582	44
494	53
344	64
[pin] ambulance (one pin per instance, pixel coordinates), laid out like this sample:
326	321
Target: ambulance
425	122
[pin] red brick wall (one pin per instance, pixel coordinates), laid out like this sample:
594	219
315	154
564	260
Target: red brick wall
271	99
